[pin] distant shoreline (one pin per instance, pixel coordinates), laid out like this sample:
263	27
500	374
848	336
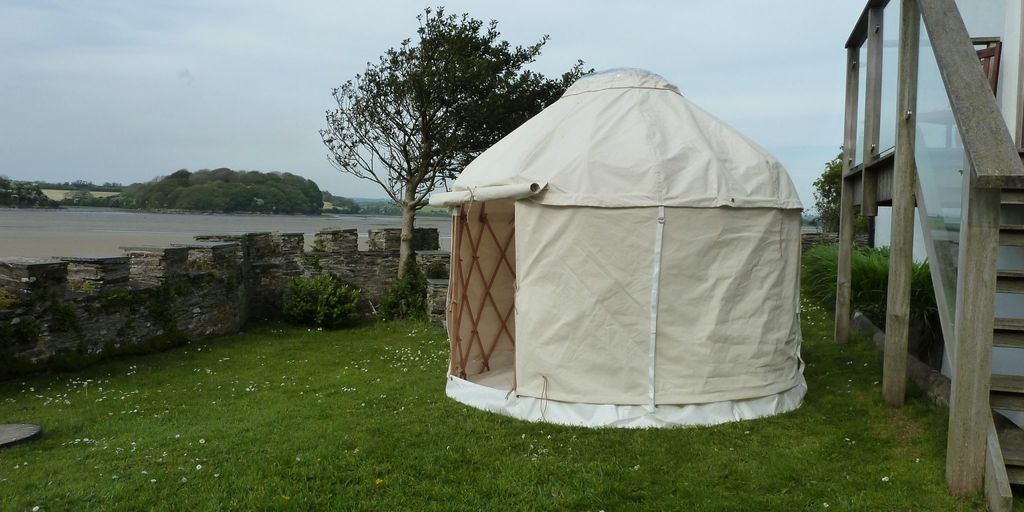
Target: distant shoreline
212	212
98	231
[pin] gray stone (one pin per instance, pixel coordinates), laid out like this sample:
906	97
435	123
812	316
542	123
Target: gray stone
152	298
13	433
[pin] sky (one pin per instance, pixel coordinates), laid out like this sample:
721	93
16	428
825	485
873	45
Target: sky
127	90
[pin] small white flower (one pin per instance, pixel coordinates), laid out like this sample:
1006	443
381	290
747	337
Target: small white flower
152	480
885	479
202	441
199	466
35	508
216	475
183	479
176	436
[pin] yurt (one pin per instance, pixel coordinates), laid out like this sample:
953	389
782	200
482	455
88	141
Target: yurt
625	259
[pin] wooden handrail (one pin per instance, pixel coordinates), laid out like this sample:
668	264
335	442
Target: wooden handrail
990	149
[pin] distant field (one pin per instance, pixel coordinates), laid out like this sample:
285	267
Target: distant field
57	195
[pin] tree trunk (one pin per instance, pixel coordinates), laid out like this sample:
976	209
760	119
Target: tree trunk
405	252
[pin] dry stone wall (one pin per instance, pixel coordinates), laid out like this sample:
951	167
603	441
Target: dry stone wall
69	312
808	240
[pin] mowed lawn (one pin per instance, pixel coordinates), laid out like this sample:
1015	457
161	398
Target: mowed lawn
296	419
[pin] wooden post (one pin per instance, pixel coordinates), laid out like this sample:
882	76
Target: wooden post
872	112
972	362
843	272
901	252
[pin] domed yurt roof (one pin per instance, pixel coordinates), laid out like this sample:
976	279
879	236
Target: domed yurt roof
626	138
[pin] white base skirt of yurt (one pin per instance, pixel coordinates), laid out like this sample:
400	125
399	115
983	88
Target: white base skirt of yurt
622	416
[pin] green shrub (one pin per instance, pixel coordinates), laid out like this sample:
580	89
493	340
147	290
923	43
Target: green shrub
407	295
6	299
323	301
869	287
436	269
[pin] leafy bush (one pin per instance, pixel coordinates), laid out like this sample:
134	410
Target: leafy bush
407	295
323	301
436	269
869	288
6	299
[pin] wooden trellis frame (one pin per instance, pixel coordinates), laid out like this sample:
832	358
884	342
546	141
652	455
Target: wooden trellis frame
472	292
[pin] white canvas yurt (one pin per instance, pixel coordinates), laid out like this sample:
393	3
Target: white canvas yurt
625	259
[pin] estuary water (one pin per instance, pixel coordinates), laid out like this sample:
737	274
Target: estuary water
102	231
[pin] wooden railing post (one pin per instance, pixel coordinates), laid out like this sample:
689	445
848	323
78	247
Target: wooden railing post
872	109
846	213
972	349
901	252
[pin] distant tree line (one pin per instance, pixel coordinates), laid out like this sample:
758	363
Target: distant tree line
22	194
340	204
222	190
388	208
108	186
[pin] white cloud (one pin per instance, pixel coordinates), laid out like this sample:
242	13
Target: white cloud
120	90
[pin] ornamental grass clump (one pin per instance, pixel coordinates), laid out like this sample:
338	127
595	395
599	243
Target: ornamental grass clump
869	288
323	302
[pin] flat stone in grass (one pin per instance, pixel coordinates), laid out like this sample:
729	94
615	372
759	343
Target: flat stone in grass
12	433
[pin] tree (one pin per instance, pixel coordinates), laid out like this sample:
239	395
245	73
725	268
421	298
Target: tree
828	189
415	118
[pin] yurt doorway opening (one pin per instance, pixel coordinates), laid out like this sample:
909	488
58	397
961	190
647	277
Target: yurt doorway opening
481	319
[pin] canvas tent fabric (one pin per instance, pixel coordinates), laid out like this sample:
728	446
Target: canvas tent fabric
625	258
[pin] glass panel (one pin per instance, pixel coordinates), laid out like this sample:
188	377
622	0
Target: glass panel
890	73
983	18
940	160
862	77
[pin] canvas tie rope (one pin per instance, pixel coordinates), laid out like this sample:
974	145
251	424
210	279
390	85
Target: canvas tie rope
544	398
655	286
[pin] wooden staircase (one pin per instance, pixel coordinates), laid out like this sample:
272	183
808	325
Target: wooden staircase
1006	439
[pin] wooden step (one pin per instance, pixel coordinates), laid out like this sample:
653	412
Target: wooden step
1011	234
1006	401
1008	383
1009	332
1010	281
1013	452
1008	339
1013	196
1015	474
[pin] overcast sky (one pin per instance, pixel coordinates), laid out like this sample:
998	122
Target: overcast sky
126	90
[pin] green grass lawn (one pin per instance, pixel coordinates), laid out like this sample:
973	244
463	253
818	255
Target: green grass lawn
285	418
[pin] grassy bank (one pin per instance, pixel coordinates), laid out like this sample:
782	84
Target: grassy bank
285	418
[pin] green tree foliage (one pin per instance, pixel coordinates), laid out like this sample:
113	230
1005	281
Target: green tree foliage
21	194
827	190
427	108
81	185
341	204
407	295
323	301
225	190
827	194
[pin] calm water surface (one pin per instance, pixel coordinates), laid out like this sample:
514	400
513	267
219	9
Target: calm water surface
101	232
